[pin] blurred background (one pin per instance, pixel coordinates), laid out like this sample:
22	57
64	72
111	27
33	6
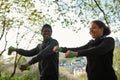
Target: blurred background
20	26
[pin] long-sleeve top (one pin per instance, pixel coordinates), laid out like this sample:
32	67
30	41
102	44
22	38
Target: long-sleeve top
48	60
99	54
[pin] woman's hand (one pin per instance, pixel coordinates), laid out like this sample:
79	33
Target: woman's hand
70	54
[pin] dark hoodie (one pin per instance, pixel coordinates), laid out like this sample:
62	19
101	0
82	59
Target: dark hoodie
99	54
48	60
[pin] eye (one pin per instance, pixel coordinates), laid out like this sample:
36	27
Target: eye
46	30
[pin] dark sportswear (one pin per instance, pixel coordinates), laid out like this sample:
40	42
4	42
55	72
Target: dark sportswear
99	54
48	60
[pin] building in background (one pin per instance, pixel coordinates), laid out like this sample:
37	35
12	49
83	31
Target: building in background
117	42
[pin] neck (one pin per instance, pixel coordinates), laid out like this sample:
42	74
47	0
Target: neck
45	40
99	37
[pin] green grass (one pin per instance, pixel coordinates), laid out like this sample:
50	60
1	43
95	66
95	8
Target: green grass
23	77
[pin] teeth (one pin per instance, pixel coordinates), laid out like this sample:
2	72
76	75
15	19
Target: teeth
46	35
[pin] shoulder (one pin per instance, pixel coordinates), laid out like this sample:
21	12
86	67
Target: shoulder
54	41
109	38
39	46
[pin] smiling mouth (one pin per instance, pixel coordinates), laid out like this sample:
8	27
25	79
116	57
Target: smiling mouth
46	36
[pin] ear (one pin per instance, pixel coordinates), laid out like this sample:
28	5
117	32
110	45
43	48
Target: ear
102	30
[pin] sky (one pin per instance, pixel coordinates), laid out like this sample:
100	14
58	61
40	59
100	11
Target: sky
68	38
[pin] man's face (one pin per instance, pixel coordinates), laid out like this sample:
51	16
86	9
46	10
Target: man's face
46	33
95	31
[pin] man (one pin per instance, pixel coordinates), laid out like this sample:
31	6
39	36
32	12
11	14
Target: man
48	60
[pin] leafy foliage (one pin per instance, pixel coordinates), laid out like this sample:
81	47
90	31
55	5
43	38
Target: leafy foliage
116	61
25	18
83	11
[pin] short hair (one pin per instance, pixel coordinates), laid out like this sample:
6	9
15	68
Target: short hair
46	26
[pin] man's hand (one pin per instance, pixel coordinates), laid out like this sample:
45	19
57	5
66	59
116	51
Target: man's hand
55	49
25	67
10	50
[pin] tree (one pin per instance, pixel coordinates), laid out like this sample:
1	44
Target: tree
25	17
14	14
116	61
71	13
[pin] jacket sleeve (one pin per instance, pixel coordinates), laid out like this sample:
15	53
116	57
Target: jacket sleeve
104	47
64	49
44	53
29	53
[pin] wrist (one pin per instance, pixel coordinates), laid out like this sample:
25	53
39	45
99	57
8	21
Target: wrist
76	54
28	64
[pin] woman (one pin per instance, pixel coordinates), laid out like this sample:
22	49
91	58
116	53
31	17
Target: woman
99	52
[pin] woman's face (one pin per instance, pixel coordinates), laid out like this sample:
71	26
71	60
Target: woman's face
95	31
46	33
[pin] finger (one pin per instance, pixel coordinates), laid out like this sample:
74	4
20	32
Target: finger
66	55
54	49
